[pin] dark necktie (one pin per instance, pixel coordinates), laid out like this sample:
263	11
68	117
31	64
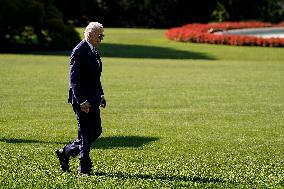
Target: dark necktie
97	56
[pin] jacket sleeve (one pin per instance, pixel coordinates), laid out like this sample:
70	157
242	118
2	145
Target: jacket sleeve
75	76
101	89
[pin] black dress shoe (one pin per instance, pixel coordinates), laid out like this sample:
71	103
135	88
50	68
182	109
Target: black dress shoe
85	171
84	174
63	159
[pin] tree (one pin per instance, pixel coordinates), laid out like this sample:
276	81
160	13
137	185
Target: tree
80	12
236	10
34	24
272	11
167	13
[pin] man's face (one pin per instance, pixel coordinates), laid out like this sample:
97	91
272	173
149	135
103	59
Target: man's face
97	37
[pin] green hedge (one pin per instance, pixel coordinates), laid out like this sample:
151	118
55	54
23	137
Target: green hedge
34	24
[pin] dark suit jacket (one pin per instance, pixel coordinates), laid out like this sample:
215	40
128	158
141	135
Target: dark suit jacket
85	73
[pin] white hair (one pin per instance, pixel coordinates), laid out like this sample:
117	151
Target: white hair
92	28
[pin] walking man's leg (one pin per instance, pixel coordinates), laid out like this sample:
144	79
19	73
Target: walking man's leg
89	129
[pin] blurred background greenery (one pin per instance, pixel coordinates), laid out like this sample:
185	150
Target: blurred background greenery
49	24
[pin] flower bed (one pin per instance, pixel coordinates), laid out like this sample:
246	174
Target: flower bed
204	33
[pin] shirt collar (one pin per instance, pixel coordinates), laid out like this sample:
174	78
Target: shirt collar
90	45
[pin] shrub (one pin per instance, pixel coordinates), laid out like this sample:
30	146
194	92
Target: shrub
33	25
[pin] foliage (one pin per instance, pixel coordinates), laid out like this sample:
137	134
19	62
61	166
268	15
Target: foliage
48	24
185	116
136	13
34	24
204	33
79	12
168	13
220	13
273	11
236	10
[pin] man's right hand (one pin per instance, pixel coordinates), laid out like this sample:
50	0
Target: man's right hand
85	106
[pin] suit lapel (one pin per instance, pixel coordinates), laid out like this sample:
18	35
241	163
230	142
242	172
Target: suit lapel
98	57
94	53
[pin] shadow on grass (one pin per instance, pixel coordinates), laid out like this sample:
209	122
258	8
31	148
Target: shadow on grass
143	51
27	141
100	143
122	142
166	178
131	51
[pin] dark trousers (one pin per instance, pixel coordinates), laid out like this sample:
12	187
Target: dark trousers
89	129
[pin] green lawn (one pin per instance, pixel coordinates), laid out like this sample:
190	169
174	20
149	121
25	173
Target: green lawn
178	115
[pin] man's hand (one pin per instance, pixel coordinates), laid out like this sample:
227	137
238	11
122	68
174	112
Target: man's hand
85	106
103	102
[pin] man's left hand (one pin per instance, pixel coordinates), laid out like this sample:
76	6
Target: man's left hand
103	102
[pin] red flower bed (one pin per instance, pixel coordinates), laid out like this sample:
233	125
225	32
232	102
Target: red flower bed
204	33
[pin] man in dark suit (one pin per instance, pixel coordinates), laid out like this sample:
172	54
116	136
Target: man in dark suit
86	96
